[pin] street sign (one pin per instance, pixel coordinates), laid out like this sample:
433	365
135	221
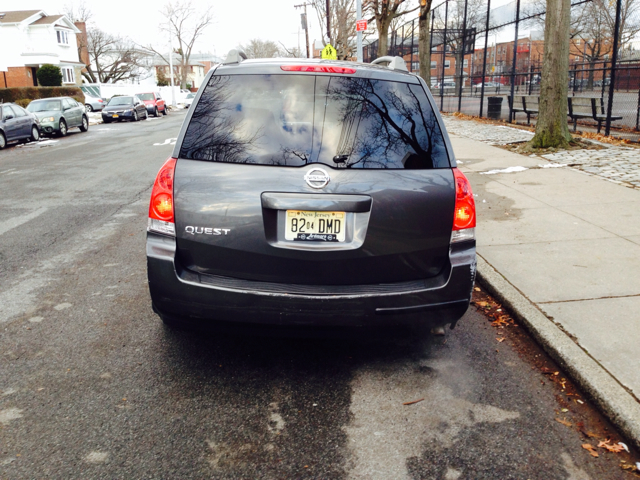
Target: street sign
361	25
329	53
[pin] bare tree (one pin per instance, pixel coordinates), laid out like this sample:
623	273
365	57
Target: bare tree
384	12
295	52
456	22
185	24
552	129
343	25
113	58
78	12
594	35
257	48
424	40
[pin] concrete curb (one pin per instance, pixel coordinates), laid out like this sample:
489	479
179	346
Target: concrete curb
618	405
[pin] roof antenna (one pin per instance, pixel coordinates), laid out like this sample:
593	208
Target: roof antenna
234	56
394	63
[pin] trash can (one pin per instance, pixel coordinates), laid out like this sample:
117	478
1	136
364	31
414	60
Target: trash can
494	107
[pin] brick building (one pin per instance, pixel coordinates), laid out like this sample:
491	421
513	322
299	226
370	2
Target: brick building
30	39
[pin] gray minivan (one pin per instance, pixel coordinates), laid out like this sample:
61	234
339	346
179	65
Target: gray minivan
311	192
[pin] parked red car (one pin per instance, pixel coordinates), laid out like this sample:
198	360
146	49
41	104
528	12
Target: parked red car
154	103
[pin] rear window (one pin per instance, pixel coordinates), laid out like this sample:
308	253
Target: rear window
294	120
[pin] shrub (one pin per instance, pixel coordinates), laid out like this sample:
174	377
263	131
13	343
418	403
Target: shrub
49	75
14	94
163	81
23	102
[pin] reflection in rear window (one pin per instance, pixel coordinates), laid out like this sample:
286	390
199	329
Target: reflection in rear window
293	120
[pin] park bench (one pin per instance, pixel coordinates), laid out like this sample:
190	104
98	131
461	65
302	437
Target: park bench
588	107
600	113
524	103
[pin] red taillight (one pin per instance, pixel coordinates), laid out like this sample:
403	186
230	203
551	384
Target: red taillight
465	210
161	207
317	68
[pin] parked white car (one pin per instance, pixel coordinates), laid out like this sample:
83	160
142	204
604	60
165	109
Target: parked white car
93	104
189	100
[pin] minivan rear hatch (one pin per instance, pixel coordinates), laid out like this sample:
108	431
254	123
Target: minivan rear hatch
313	179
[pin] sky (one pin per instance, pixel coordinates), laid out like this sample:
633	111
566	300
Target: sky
234	22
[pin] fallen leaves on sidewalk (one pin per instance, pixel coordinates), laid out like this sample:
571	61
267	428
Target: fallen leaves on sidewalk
604	139
611	448
591	449
566	423
633	469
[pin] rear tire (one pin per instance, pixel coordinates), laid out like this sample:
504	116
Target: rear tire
3	141
35	134
164	110
84	126
62	130
88	108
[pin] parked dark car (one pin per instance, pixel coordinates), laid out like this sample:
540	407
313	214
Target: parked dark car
58	114
154	103
126	107
311	193
17	124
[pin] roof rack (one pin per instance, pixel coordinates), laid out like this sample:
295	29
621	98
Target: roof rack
235	56
394	63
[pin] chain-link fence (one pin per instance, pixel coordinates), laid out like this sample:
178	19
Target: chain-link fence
487	61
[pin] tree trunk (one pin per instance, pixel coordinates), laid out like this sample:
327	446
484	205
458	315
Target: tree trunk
552	129
383	36
424	42
590	78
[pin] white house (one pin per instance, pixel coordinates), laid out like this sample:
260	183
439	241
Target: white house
196	70
31	38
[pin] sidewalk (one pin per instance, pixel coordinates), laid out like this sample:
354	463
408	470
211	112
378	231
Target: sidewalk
561	247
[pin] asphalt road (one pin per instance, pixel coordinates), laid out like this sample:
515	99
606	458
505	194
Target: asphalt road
92	385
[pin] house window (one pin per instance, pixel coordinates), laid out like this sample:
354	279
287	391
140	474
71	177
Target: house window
415	66
433	65
606	56
68	75
577	41
447	64
466	63
577	58
63	37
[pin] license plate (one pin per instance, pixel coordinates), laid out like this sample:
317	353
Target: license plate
306	226
115	115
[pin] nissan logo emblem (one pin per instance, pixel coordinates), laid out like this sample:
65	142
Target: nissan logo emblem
317	178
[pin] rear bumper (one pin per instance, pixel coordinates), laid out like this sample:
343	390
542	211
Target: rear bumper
179	293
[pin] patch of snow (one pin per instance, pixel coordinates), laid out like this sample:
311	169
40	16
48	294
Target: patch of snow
505	170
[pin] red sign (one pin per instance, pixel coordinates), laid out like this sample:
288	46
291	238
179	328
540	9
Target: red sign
361	25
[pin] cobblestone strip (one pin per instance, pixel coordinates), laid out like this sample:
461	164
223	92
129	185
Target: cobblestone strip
619	164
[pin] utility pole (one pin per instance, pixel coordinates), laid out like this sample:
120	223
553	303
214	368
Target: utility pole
329	22
173	93
305	24
359	32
